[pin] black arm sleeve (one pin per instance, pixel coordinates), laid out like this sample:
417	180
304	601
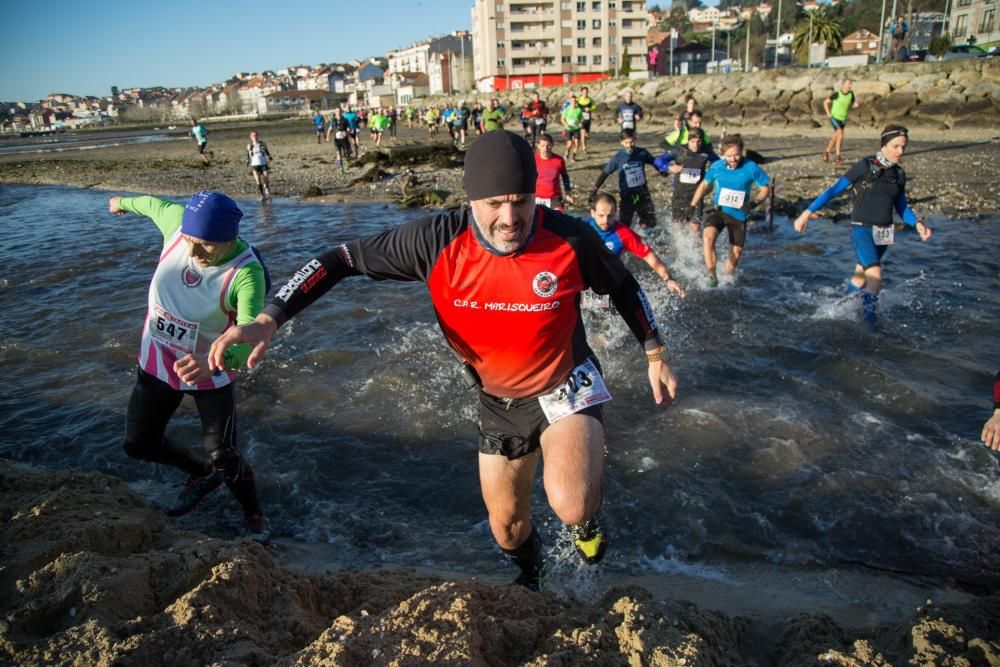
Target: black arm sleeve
313	280
633	306
605	273
406	252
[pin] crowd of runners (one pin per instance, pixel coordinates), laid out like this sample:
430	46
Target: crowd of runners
513	249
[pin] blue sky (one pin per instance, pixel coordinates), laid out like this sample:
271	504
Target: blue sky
84	48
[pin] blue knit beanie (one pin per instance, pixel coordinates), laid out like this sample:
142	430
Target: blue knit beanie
211	216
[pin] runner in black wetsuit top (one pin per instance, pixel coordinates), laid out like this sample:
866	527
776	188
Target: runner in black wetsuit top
880	187
505	278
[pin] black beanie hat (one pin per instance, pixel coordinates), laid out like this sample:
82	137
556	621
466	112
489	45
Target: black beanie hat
499	163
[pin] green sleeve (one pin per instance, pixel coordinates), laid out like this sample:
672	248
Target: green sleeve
248	293
164	214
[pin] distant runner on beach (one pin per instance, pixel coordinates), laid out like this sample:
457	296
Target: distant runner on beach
207	278
200	135
505	277
587	107
341	137
320	124
493	116
879	185
837	106
551	170
629	113
258	159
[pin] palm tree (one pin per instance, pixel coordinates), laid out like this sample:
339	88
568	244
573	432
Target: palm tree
823	27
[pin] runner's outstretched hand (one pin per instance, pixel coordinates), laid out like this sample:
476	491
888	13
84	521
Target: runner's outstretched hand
924	231
257	334
662	378
803	220
991	432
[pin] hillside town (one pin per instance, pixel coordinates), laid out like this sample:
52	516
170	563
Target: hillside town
523	44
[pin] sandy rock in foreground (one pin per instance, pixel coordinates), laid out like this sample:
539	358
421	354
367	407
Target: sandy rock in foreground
93	575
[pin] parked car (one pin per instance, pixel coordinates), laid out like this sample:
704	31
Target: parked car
916	56
960	51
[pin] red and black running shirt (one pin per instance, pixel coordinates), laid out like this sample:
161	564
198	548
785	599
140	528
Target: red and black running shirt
514	318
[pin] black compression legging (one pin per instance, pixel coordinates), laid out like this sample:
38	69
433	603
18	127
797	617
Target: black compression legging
150	407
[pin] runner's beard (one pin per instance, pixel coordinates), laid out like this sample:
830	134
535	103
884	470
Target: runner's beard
506	238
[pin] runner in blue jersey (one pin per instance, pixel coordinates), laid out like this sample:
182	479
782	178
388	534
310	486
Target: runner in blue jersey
200	135
879	188
630	163
353	123
320	124
733	177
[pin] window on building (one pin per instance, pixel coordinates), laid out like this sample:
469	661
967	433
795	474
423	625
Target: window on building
581	24
581	6
987	25
596	41
567	24
581	60
566	6
499	26
567	41
596	6
962	25
566	60
597	24
612	59
501	45
964	3
597	60
581	42
501	62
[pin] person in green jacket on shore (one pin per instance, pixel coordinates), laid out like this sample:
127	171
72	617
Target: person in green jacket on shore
837	106
207	279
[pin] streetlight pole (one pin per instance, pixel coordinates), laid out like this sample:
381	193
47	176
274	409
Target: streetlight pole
713	47
746	61
881	34
809	45
777	35
539	63
462	65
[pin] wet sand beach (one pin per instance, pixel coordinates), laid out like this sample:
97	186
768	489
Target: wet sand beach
951	173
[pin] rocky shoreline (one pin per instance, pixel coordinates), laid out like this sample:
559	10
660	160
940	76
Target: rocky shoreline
92	574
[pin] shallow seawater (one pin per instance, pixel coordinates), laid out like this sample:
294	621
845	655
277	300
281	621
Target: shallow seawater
799	436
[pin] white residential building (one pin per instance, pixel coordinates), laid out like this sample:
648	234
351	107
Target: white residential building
526	43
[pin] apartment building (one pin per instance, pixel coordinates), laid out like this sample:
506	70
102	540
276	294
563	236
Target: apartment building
977	19
521	44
